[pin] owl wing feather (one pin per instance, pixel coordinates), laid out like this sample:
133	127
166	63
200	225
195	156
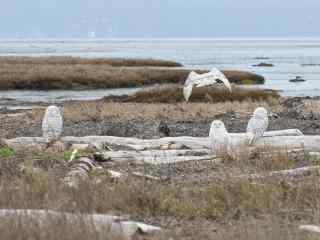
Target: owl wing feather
256	128
52	126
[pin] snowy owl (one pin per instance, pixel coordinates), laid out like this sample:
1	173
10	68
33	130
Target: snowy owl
202	80
219	138
52	124
258	124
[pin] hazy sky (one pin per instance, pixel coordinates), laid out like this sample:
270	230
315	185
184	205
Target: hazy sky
159	18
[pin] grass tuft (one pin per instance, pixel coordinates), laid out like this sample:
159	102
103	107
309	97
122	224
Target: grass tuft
6	152
174	94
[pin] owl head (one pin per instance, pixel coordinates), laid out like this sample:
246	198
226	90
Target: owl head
53	111
218	126
260	112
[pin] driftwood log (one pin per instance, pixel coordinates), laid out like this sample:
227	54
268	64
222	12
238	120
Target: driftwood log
155	157
297	172
170	149
103	224
310	228
80	169
291	138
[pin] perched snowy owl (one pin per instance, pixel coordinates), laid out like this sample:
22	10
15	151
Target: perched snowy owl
219	138
202	80
52	124
258	124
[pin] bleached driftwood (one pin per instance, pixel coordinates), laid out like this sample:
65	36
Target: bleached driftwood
115	174
310	228
291	138
80	170
156	156
118	175
287	132
103	224
145	176
298	172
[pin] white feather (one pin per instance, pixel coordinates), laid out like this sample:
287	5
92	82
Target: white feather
257	125
187	91
52	124
202	80
219	138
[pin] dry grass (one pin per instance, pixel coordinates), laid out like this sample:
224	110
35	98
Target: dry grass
99	110
57	229
174	94
115	62
74	73
231	206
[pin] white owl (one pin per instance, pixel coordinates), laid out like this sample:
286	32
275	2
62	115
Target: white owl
257	125
52	124
202	80
219	138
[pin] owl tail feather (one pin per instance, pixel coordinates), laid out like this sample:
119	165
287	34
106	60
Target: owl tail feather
251	138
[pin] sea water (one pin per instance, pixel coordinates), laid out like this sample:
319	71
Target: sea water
290	57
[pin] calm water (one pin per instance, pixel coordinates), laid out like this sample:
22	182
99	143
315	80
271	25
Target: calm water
288	56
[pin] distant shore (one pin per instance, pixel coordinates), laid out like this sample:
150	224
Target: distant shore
68	73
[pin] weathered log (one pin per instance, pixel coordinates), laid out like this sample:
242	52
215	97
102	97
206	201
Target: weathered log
156	156
310	228
287	132
143	144
145	176
298	172
272	139
117	226
118	175
80	170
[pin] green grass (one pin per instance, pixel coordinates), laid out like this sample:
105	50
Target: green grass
6	152
247	82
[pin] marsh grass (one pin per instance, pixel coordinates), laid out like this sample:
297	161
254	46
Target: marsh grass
224	201
75	73
213	94
95	110
115	62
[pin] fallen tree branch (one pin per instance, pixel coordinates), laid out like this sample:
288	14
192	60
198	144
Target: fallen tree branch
116	225
80	170
155	156
298	172
310	228
118	175
287	132
273	139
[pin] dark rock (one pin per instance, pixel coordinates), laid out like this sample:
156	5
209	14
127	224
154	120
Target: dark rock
261	58
264	65
163	129
297	79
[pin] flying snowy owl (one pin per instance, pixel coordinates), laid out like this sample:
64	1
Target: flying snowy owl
202	80
219	138
52	124
258	124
